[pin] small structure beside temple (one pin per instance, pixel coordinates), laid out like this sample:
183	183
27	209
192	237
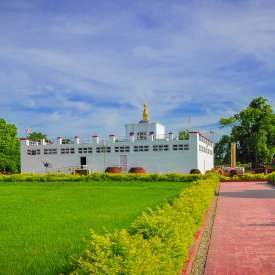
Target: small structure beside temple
146	145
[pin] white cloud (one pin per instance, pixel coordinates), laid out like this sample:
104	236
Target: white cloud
188	55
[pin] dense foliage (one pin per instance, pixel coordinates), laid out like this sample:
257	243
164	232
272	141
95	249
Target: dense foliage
271	178
184	135
245	177
222	150
9	148
158	240
254	131
172	177
36	136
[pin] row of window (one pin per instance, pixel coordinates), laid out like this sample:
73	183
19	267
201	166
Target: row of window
205	140
50	151
66	151
85	150
180	147
103	149
205	150
141	148
122	149
160	147
107	149
33	152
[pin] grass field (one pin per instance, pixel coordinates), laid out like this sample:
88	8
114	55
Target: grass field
43	224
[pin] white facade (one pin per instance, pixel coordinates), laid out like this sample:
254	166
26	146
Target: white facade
146	145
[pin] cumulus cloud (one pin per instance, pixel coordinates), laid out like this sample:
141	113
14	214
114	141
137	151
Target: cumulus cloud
89	68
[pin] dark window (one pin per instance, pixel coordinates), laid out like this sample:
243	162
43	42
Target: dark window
103	149
83	161
141	135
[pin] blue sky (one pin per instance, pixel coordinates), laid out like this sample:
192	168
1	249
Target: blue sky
85	67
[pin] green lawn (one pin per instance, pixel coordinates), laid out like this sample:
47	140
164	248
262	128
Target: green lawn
43	224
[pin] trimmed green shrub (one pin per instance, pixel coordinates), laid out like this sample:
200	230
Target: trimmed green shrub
100	176
271	178
157	242
244	177
233	173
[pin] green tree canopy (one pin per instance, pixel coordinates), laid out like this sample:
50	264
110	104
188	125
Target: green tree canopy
36	136
222	150
9	148
254	131
183	135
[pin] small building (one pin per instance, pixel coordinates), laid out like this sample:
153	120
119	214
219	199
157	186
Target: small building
146	145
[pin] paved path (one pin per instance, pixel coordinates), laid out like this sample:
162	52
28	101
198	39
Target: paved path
243	236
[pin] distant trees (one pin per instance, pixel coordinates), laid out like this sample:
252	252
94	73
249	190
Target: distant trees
36	136
183	135
254	131
9	148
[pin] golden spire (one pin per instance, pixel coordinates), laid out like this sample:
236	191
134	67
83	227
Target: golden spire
145	113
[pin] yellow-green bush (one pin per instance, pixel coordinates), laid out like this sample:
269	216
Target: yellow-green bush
271	178
157	242
99	177
246	176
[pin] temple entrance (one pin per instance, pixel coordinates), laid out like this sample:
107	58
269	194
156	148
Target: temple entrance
83	161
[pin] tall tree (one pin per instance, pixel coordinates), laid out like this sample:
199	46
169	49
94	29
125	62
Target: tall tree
222	150
9	148
254	131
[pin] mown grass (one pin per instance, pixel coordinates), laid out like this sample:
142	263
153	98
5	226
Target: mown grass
43	224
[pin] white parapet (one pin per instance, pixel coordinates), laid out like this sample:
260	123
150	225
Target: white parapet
95	139
171	136
132	137
76	139
59	140
112	138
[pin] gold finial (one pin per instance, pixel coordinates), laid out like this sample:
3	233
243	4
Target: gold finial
145	113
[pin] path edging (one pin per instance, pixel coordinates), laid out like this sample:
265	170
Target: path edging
188	265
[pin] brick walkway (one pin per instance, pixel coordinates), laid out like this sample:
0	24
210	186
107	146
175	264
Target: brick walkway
243	236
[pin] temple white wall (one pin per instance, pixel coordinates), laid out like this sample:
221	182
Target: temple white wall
180	156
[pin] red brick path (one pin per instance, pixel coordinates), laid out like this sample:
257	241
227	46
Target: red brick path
243	236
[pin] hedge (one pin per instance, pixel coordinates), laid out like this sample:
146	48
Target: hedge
100	176
271	178
245	177
157	242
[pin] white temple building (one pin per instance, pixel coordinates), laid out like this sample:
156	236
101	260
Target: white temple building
146	145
